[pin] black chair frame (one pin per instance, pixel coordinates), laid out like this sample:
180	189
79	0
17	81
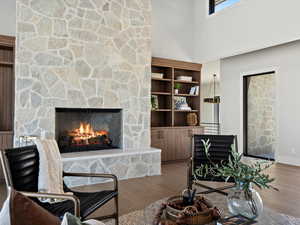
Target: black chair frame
190	171
75	199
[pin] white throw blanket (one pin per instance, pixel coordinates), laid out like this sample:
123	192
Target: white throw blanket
51	168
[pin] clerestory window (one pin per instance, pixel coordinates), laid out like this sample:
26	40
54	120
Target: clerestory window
217	5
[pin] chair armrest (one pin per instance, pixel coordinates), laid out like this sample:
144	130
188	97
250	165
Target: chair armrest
99	175
72	198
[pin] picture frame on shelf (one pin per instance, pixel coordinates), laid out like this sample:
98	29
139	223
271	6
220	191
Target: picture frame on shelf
154	102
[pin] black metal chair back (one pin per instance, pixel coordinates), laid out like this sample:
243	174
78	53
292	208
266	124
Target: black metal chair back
220	151
23	165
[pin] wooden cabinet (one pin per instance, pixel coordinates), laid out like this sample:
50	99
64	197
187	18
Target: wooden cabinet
175	142
171	131
6	92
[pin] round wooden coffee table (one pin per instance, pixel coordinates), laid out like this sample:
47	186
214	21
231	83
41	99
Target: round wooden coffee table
268	217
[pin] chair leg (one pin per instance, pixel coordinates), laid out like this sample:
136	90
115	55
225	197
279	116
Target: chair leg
117	209
211	190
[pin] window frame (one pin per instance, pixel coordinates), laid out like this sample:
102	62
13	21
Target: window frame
212	6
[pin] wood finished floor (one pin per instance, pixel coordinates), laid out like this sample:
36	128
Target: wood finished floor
136	194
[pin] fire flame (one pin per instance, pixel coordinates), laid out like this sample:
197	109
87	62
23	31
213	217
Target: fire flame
86	131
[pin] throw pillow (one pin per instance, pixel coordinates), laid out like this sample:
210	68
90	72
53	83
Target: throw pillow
24	211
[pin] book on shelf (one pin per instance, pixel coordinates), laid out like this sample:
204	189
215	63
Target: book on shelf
157	75
194	90
185	78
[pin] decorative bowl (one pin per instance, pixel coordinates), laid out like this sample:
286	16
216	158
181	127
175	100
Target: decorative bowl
200	213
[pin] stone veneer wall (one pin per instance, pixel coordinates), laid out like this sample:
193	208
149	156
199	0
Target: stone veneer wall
262	115
123	166
83	53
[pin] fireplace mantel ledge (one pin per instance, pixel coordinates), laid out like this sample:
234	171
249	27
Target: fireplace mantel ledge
107	153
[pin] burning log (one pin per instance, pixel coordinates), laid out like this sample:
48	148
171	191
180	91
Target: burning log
85	135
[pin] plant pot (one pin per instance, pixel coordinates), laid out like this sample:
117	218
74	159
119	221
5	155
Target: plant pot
176	91
247	203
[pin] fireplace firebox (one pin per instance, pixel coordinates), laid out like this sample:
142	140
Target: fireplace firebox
78	130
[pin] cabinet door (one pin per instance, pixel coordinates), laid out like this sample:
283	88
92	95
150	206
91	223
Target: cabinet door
156	140
163	139
6	141
198	130
170	148
183	140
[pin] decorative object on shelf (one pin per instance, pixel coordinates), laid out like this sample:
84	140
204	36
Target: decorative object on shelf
194	90
181	103
157	75
176	88
215	99
154	102
192	119
185	78
243	199
26	140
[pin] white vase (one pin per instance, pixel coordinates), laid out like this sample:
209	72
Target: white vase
176	91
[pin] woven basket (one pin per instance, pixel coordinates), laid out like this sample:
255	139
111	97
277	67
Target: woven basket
197	218
192	119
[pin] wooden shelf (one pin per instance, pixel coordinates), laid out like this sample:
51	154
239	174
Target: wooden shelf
161	110
178	110
161	79
186	95
6	63
160	93
6	132
186	82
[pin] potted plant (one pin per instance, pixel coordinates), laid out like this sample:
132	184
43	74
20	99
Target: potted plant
176	88
243	199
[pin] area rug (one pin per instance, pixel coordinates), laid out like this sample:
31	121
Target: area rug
133	218
138	218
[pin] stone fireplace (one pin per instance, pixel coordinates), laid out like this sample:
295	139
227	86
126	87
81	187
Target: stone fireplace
88	129
87	54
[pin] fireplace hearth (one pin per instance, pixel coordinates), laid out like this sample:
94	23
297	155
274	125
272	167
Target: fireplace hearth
80	130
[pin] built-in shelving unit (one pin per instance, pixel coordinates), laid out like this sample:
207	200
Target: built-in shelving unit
170	131
166	115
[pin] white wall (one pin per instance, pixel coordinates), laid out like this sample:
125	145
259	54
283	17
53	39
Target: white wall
284	60
173	29
206	91
245	26
8	17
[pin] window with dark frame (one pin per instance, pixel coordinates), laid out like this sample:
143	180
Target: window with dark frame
218	5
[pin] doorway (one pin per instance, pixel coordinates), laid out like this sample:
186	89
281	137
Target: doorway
260	115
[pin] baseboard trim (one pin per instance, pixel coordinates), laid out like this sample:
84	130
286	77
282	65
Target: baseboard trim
288	160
